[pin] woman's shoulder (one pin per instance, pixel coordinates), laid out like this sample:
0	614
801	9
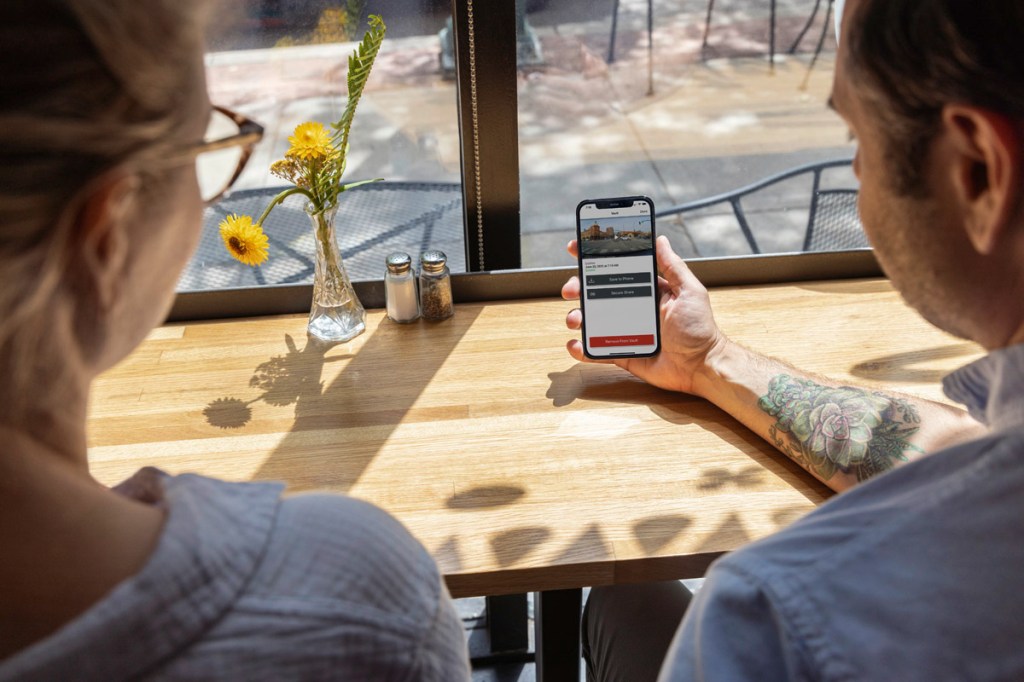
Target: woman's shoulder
341	524
316	553
337	547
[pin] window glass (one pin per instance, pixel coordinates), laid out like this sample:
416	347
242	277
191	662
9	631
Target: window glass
602	115
284	62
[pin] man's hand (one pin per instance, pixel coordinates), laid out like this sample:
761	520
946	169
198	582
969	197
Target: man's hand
689	335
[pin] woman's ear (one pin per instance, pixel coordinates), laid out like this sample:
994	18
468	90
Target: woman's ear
986	154
102	239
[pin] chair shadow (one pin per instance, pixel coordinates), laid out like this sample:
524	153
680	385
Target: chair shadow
512	546
486	497
655	532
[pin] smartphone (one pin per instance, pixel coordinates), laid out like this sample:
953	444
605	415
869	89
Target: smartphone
618	277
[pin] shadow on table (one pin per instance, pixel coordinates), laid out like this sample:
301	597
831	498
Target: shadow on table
902	367
592	548
292	378
372	391
486	497
607	383
589	381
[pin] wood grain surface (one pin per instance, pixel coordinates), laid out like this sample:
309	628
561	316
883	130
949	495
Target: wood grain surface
518	468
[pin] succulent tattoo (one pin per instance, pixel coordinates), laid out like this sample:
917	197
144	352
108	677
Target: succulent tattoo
839	429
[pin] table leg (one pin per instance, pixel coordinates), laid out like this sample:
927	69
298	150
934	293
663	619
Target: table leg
507	623
558	635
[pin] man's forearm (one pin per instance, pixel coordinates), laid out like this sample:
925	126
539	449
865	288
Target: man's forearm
841	434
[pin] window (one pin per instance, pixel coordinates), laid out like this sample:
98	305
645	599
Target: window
488	137
283	62
623	98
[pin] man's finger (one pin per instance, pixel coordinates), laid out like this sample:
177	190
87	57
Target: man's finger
574	320
572	248
575	348
571	289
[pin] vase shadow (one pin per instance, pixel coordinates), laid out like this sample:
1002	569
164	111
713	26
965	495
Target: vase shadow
342	423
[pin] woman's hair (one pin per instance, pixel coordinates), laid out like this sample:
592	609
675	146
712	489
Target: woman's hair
86	85
912	57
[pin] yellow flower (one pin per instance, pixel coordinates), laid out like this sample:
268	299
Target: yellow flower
310	141
243	240
291	169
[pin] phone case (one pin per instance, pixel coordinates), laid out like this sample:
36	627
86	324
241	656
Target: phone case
616	202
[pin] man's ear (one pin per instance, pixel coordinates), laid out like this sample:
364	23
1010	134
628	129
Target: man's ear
102	240
986	155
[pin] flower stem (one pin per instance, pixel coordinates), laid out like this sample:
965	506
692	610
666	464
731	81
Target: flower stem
281	197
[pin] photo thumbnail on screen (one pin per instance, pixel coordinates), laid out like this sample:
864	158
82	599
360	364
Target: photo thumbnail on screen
619	236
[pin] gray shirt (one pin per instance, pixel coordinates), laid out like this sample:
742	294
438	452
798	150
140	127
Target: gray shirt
915	575
246	586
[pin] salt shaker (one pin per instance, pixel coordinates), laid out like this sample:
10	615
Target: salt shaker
435	286
400	288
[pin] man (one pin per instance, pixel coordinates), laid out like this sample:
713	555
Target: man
917	573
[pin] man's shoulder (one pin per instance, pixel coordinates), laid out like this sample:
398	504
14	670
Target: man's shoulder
962	484
915	566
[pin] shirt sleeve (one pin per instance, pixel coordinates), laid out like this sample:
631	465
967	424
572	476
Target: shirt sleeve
732	631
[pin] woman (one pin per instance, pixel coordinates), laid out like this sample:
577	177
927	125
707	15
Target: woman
102	118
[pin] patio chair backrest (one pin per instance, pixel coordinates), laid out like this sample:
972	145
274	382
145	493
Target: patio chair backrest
833	223
373	220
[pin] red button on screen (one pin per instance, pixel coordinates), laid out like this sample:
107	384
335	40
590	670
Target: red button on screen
606	341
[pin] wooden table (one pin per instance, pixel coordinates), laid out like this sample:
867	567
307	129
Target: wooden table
519	469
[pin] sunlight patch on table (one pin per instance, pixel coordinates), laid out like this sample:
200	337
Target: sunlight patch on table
596	424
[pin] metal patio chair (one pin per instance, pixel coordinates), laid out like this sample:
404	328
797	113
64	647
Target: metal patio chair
832	220
373	220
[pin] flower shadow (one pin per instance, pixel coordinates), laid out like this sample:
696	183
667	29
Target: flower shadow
284	380
228	413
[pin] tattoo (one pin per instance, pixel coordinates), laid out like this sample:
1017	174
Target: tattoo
828	429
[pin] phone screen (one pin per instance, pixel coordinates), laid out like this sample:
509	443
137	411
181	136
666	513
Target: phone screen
618	277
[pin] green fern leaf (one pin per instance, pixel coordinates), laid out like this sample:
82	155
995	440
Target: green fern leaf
360	63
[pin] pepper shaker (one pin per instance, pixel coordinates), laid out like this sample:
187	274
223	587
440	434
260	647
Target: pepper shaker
435	286
400	288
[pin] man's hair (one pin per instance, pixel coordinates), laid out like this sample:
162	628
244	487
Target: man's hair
912	57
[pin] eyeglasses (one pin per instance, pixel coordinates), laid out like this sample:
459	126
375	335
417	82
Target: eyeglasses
224	151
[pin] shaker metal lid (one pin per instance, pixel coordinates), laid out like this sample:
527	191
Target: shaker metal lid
433	261
398	262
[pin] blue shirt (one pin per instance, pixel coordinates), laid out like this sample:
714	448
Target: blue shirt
917	574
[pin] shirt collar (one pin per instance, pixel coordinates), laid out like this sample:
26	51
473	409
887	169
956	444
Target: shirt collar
992	388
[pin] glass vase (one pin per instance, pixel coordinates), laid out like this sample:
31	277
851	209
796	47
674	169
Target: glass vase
336	313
